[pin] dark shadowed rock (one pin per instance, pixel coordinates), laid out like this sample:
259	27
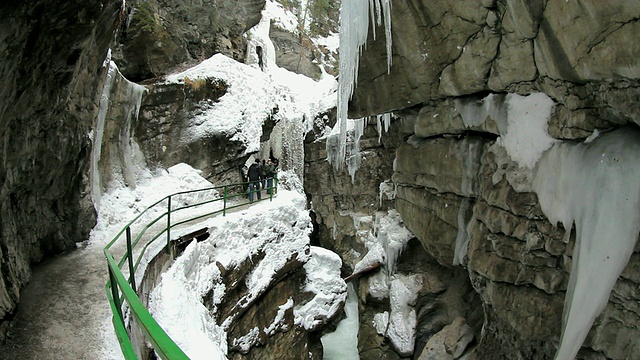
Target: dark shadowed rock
52	68
161	34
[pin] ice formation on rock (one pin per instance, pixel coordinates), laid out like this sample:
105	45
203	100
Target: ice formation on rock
355	17
593	186
128	165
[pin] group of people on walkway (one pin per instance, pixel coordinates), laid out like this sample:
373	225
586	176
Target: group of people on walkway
260	176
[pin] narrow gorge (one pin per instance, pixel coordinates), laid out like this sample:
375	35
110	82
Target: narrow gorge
486	206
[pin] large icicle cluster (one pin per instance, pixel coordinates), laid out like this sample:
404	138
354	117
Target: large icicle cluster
97	133
594	186
355	17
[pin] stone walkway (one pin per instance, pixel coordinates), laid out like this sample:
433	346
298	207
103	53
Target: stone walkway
64	313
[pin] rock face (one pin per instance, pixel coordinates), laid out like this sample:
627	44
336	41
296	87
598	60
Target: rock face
164	115
53	65
294	52
52	68
161	34
460	193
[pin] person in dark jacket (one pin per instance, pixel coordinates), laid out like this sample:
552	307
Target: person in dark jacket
263	175
270	172
254	179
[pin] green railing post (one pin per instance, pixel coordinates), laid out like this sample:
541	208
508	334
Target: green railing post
123	290
114	292
169	225
224	201
132	273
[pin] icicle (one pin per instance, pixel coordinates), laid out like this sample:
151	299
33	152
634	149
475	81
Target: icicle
354	26
133	161
462	239
374	8
382	120
386	10
126	162
387	121
334	232
354	158
98	132
593	186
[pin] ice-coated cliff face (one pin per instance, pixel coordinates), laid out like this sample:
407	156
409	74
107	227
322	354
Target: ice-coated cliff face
495	270
502	103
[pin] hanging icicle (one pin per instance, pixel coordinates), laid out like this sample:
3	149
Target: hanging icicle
355	17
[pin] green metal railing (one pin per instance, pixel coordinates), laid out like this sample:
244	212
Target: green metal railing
121	291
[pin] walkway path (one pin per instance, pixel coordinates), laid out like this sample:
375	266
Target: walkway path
63	312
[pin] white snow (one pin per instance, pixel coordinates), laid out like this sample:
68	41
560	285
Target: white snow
526	137
522	122
176	302
254	93
402	318
280	229
300	100
594	186
331	42
381	322
323	279
385	238
387	191
393	236
239	114
281	17
278	320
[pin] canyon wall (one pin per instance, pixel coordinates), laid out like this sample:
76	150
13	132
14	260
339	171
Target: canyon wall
54	72
459	71
52	69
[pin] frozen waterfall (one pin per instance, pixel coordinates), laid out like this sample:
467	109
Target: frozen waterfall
594	186
123	160
355	17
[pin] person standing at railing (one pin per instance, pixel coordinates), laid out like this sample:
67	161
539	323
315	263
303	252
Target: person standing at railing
270	171
263	175
254	179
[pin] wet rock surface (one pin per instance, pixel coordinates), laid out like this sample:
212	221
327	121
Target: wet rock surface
453	182
52	65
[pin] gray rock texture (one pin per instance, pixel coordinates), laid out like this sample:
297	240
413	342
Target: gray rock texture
295	53
52	70
164	115
159	35
455	184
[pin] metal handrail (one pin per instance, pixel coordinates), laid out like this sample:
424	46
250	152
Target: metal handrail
121	291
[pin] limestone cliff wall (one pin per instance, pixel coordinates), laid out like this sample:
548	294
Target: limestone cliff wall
159	35
452	180
51	68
